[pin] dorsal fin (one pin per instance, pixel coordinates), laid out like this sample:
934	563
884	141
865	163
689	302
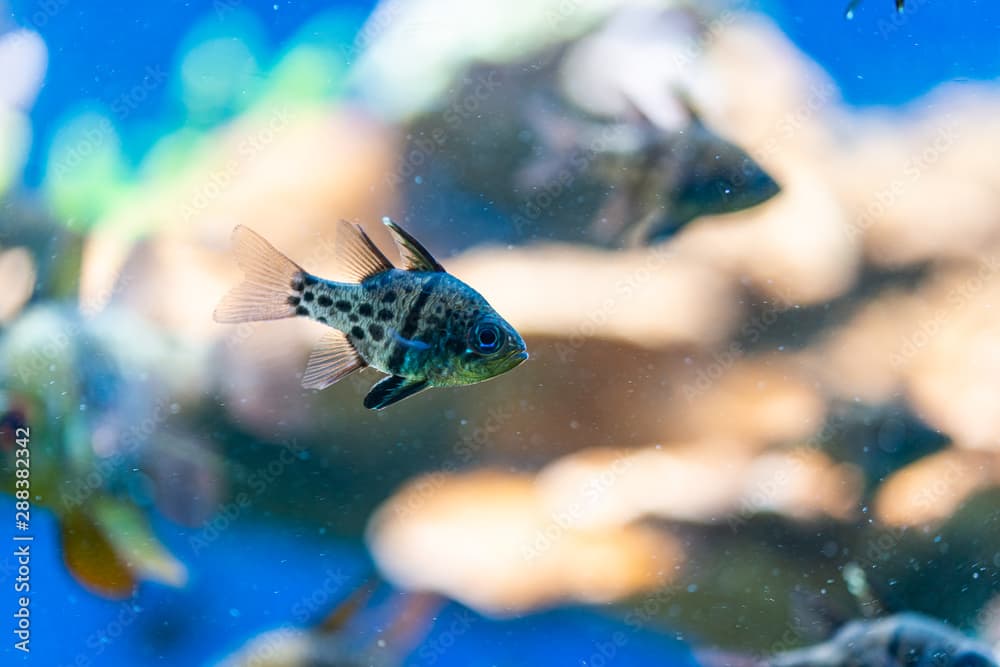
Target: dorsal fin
357	256
414	255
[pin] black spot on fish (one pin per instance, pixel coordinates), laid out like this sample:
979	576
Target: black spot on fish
455	345
385	315
310	280
357	332
301	310
412	322
353	317
376	331
343	306
389	297
321	319
297	282
439	309
293	301
326	301
308	296
365	310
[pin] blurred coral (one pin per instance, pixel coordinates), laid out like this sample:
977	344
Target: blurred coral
23	61
929	491
17	275
488	539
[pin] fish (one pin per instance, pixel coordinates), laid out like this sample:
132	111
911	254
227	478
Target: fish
659	180
420	325
849	12
905	639
354	633
90	413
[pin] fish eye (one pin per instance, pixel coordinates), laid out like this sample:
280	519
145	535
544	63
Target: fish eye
487	338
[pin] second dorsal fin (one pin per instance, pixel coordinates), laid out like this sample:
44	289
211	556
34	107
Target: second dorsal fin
413	253
357	256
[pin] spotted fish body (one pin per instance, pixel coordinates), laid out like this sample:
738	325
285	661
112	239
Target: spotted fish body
421	325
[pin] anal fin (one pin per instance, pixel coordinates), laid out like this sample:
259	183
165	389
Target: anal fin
333	358
391	390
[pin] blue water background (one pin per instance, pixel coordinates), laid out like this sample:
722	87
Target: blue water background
252	576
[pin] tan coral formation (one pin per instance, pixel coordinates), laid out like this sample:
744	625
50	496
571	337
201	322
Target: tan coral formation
487	539
506	542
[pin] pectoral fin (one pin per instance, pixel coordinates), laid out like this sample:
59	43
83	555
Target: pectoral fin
392	390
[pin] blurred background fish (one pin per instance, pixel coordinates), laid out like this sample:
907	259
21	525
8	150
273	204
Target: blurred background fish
658	181
104	449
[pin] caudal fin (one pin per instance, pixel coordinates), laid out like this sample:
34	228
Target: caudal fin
272	285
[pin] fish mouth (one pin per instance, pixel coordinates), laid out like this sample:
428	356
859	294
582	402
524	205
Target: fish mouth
516	359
